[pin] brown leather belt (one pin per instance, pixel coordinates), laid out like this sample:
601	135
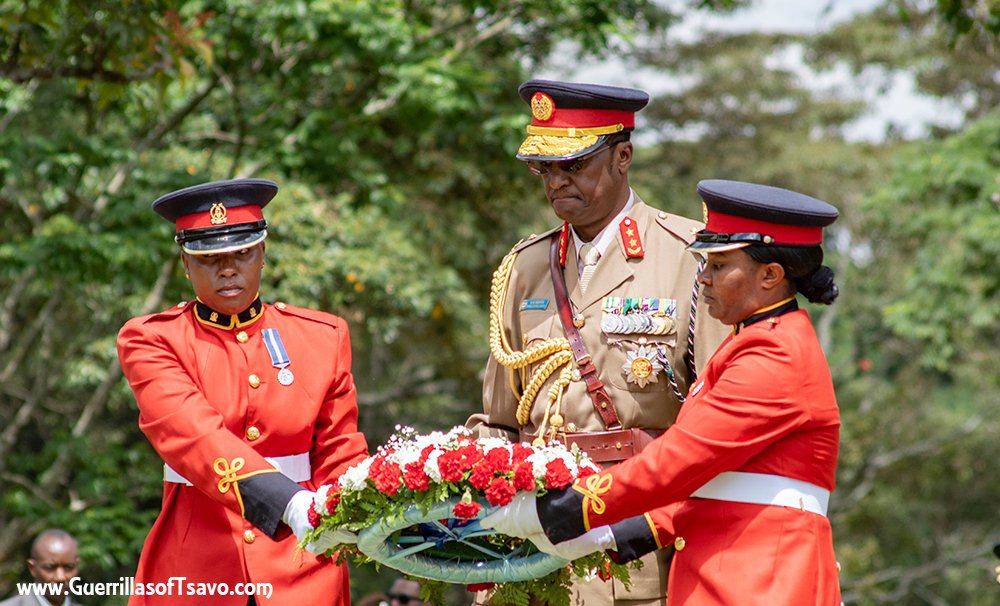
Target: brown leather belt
607	446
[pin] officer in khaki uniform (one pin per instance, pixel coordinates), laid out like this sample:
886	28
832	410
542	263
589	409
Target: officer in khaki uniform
607	368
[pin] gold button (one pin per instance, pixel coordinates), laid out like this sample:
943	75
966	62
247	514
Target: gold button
254	381
618	445
280	305
252	433
679	543
181	304
604	404
556	420
578	321
242	336
249	536
662	215
571	427
575	375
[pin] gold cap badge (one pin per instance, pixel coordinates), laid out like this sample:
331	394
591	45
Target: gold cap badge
218	213
542	106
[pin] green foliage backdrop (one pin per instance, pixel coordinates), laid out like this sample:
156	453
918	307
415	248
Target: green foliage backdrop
391	127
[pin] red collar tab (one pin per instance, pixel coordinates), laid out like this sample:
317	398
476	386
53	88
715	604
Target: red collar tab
219	215
630	239
545	113
563	243
779	234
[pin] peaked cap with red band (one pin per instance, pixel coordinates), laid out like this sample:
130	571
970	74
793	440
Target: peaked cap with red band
570	120
218	217
740	214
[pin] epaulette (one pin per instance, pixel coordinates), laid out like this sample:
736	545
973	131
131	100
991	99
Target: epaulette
681	227
170	312
309	314
534	239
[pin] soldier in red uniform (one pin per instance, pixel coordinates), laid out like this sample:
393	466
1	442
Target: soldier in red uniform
250	405
743	478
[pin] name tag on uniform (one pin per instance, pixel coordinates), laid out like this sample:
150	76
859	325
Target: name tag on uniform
534	304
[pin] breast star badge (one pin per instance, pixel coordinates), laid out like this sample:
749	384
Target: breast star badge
642	366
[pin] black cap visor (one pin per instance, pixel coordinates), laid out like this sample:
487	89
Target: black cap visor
218	240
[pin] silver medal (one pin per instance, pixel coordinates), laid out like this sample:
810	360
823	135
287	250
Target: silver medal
285	376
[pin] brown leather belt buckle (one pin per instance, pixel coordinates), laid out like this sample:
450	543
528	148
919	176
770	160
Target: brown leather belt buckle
608	446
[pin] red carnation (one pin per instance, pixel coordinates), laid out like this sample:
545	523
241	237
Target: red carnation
385	475
414	477
332	500
522	452
524	479
450	466
500	492
498	460
587	470
426	453
481	476
466	510
604	572
557	475
314	518
470	456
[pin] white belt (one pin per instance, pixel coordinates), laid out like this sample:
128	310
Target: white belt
295	467
766	489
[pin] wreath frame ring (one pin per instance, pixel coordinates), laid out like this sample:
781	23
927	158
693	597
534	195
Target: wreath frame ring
377	543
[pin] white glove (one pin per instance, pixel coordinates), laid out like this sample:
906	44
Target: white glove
297	517
519	518
596	539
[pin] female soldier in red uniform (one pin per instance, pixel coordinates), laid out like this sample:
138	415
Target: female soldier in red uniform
743	479
250	405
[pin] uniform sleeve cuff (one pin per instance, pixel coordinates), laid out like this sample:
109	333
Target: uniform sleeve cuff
265	497
561	514
634	537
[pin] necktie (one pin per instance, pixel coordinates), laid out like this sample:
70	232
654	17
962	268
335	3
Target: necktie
589	255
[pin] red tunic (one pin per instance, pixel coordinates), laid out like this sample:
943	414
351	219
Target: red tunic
764	404
198	404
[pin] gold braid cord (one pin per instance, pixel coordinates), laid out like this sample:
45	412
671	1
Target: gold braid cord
556	352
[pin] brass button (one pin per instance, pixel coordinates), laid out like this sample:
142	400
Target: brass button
571	427
249	536
575	375
618	445
280	305
604	405
680	543
242	336
578	321
254	381
662	215
252	433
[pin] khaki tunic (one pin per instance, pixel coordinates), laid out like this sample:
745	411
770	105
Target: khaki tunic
666	271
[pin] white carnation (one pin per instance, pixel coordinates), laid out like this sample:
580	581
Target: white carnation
355	479
319	499
431	466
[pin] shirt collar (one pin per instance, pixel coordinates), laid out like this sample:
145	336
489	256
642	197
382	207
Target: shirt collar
209	317
43	601
771	311
607	235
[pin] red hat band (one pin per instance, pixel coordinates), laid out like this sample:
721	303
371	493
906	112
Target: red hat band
791	235
220	215
585	118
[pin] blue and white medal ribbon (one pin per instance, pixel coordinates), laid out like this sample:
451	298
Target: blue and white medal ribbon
279	356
